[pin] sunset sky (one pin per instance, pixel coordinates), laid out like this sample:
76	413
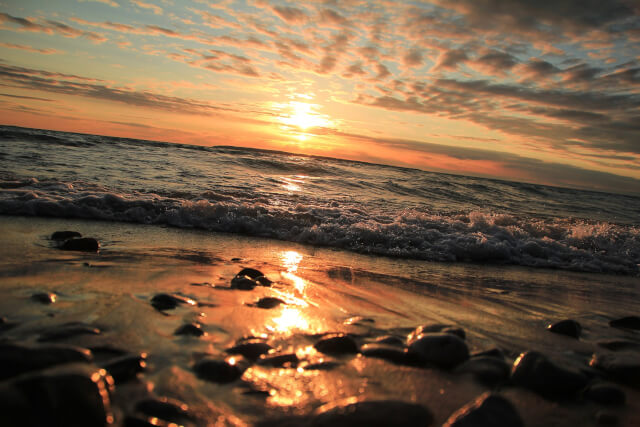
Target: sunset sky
538	91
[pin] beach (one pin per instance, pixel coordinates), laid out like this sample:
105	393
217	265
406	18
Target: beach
314	293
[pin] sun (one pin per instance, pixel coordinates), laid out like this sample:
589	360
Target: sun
302	115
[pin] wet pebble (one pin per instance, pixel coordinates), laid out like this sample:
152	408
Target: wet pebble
486	369
17	359
322	366
387	352
289	360
606	394
443	350
487	411
617	345
371	413
338	344
165	409
268	302
64	235
620	367
438	328
390	340
126	368
163	302
534	371
44	297
191	329
249	278
251	350
68	330
217	371
629	322
84	244
567	327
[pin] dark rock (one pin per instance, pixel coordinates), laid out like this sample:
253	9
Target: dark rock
390	340
192	329
268	302
133	421
486	369
605	394
166	409
44	297
488	410
289	360
439	328
243	283
126	368
217	371
534	371
64	235
624	368
443	350
386	352
169	301
78	396
249	278
84	244
264	281
322	366
337	344
251	350
605	418
16	359
68	330
617	345
371	413
251	273
567	327
494	352
629	322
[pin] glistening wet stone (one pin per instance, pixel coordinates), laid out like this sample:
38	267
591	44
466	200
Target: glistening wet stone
376	413
489	410
126	368
621	367
191	329
68	330
486	369
289	360
163	302
618	345
18	359
164	408
443	350
217	371
606	394
268	302
44	297
567	327
337	344
629	322
534	371
84	244
387	352
249	278
250	350
438	328
64	235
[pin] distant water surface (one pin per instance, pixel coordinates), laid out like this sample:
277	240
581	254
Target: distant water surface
367	208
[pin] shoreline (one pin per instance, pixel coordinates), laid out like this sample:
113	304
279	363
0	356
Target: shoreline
322	291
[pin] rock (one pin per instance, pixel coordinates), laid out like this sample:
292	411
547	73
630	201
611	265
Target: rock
251	350
84	244
567	327
390	340
17	359
346	413
249	278
629	322
169	301
606	394
624	368
486	369
166	409
77	396
443	350
534	371
269	302
337	344
439	328
126	368
322	366
68	330
289	360
487	411
387	352
192	329
243	283
44	297
217	371
64	235
617	345
494	352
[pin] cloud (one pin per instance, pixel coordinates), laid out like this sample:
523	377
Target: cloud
291	15
413	58
495	63
107	2
31	48
450	59
50	27
152	7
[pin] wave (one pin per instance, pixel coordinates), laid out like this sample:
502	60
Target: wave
471	236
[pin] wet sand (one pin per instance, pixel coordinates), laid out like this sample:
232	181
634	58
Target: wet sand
314	293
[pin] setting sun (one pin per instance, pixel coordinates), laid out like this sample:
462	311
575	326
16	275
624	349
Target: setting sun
303	116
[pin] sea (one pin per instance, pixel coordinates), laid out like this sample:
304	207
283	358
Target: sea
356	206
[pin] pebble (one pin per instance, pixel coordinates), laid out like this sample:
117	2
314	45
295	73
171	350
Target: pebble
77	396
251	350
322	366
164	408
494	352
289	360
44	297
217	371
606	394
64	235
443	350
192	329
534	371
169	301
249	278
390	340
269	302
621	367
68	330
486	369
338	344
439	328
17	359
629	322
126	368
84	244
567	327
488	410
617	345
384	351
371	413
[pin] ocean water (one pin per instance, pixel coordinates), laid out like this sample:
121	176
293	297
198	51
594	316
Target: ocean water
361	207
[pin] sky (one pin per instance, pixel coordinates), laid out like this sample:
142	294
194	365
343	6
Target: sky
538	91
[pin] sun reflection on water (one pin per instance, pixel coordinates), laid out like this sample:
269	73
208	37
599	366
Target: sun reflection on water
290	319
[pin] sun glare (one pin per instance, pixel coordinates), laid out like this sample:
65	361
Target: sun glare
302	116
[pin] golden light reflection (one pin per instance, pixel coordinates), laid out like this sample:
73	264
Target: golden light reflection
293	183
290	260
289	320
